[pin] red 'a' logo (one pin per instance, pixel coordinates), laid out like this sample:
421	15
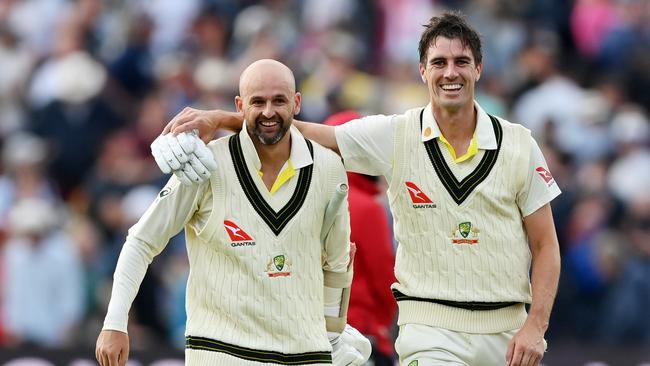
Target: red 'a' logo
545	174
235	233
417	196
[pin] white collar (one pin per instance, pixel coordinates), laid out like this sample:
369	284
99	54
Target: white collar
485	138
299	155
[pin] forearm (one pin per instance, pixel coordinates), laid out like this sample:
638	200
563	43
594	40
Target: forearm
207	122
545	277
132	265
231	121
322	134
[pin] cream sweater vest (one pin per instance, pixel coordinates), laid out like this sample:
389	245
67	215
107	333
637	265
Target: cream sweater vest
463	239
255	288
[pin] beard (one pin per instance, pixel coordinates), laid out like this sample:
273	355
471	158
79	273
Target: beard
270	139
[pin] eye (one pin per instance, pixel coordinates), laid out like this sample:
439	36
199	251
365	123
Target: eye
462	62
257	102
438	63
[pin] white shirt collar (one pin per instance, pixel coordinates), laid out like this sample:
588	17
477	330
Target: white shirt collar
300	156
485	138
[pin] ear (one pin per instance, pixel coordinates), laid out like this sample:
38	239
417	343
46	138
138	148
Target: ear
297	100
479	69
239	104
423	73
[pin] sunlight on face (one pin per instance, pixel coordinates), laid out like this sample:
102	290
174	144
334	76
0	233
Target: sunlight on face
450	73
268	100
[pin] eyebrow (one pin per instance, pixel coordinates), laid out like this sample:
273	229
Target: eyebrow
276	96
464	58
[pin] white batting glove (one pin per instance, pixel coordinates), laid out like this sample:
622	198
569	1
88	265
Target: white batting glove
350	348
185	155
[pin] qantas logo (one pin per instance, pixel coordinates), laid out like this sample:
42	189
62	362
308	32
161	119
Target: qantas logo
418	198
545	174
237	235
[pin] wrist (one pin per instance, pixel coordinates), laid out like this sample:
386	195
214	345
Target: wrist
536	323
231	121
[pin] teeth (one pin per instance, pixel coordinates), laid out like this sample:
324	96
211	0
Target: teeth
268	123
451	86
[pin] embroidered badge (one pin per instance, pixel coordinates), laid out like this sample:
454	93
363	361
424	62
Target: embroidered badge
278	266
466	233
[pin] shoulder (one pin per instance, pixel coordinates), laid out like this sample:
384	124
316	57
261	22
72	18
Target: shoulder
413	112
327	161
221	141
514	129
325	156
410	115
377	123
219	145
511	125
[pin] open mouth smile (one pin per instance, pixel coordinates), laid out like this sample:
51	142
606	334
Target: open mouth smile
268	123
451	87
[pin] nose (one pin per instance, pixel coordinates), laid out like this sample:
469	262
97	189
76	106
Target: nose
268	110
450	71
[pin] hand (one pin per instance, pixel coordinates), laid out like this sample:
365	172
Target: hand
526	348
185	155
350	348
112	348
206	122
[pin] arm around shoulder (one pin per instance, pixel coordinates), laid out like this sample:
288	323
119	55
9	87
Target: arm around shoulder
322	134
207	122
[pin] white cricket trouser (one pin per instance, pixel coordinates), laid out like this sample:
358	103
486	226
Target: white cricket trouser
423	345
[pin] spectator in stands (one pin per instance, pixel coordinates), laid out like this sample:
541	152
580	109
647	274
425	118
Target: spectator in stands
43	291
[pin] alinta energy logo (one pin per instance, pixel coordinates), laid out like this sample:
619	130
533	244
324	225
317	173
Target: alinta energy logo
545	174
237	235
418	198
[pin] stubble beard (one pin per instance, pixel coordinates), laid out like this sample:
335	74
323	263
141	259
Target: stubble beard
273	139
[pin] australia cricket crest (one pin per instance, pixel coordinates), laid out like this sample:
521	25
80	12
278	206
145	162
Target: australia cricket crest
278	266
466	233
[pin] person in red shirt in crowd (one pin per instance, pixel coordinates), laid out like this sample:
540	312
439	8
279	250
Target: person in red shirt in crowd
372	306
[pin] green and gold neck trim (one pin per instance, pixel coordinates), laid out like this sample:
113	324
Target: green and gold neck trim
459	191
275	220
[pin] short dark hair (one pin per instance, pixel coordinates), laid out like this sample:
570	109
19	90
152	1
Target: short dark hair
452	25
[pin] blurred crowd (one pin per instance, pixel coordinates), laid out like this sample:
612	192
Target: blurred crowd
86	85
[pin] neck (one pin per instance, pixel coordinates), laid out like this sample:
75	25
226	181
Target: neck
456	124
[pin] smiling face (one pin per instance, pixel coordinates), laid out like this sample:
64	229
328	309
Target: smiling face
267	100
450	73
